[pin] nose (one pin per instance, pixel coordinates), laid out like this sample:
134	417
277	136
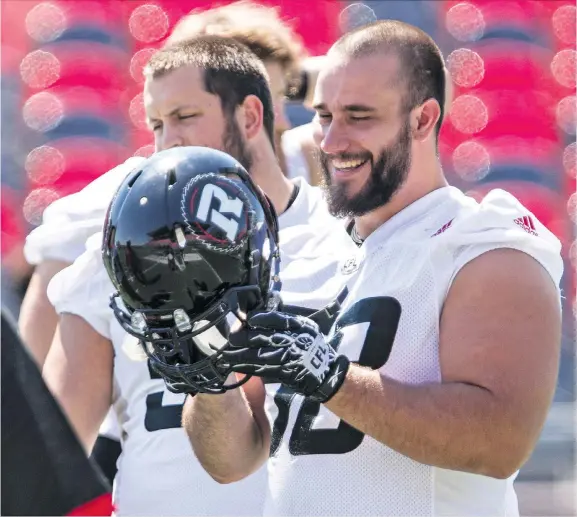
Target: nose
332	139
171	137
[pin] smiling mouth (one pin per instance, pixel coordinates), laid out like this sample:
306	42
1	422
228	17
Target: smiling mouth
348	166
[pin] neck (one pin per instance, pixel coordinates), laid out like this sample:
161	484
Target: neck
418	185
267	174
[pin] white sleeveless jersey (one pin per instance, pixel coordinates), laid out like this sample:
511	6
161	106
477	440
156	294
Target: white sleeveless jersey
321	466
70	221
157	471
67	223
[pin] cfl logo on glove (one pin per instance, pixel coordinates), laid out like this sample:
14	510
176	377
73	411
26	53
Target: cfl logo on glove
317	357
217	212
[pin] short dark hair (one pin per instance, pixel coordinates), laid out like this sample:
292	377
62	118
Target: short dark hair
231	71
422	65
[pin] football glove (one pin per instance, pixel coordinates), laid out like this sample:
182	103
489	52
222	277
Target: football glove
291	350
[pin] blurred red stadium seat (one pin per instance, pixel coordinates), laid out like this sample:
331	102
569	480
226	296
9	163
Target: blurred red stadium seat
69	164
11	221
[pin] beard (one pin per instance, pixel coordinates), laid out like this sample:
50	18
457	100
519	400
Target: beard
235	145
388	174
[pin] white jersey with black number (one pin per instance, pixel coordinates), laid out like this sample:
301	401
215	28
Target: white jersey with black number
320	465
157	471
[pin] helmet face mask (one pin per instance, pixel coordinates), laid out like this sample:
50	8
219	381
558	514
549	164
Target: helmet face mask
186	359
189	249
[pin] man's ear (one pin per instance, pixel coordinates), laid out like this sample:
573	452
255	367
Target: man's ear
251	116
424	119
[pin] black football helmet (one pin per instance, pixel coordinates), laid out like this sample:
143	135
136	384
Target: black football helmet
188	241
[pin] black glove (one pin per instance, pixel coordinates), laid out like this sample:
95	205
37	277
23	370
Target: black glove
288	349
173	383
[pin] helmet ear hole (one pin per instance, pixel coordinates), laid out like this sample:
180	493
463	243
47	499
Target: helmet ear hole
132	180
171	177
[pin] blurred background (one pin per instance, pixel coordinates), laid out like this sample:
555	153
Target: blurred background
71	82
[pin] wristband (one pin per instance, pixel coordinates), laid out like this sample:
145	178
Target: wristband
333	381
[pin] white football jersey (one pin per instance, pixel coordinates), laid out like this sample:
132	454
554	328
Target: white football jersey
69	221
321	466
157	471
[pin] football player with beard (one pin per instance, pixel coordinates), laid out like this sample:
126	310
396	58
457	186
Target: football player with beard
68	222
433	385
210	92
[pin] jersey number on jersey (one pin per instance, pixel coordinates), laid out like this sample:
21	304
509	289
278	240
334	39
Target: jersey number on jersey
383	315
159	417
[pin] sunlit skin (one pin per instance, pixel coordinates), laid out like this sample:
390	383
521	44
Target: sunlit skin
487	324
360	115
357	114
180	112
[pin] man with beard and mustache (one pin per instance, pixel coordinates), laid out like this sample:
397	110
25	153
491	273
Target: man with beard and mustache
212	92
69	221
434	383
80	215
388	173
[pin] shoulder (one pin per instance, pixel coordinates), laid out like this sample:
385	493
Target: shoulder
314	199
69	221
308	228
309	207
498	221
84	289
95	197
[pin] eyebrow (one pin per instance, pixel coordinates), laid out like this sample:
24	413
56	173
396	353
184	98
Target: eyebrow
182	108
348	107
174	111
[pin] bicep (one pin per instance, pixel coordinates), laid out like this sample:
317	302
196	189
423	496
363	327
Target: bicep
78	371
38	319
500	330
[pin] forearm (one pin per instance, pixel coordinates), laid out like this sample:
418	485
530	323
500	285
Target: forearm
455	425
85	411
226	438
